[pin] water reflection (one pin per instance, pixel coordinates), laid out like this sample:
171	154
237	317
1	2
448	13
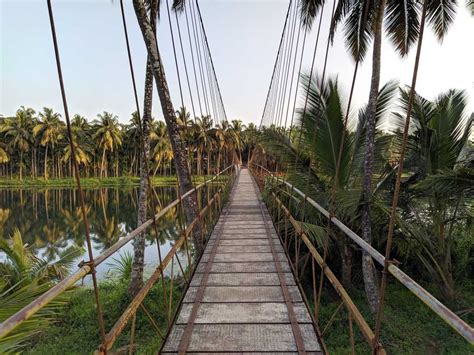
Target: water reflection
50	219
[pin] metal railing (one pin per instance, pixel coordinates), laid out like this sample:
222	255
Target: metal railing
283	215
209	211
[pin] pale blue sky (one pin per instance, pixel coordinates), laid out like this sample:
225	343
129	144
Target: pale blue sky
243	36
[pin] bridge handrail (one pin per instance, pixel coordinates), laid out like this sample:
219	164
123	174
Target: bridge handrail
448	316
85	267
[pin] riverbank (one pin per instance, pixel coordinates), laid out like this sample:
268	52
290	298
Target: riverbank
76	331
122	181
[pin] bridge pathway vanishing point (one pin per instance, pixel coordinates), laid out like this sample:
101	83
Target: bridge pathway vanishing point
243	296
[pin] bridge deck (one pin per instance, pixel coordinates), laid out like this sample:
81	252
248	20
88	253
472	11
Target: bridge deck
243	296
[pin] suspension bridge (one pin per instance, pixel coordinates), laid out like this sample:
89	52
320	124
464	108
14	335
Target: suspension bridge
257	285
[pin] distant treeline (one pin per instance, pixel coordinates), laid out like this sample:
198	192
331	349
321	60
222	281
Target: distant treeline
34	144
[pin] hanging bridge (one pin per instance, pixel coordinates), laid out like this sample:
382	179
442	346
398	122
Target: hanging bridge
243	296
257	285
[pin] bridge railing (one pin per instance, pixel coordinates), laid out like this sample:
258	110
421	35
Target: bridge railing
275	185
210	205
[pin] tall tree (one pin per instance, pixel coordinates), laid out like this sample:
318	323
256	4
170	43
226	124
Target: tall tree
136	279
363	23
177	144
108	136
49	130
18	128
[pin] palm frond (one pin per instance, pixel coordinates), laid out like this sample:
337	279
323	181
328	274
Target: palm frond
402	24
122	266
440	15
449	182
308	11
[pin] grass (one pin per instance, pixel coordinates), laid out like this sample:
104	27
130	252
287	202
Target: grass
77	331
409	327
120	181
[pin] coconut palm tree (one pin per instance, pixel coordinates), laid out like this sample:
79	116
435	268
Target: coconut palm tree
322	132
177	144
49	130
237	127
4	157
363	23
440	185
203	141
18	130
108	136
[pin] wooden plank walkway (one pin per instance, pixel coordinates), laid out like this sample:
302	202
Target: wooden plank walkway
243	297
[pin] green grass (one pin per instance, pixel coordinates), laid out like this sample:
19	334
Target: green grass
77	331
91	182
409	327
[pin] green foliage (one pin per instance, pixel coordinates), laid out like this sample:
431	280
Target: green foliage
121	266
23	278
80	316
408	327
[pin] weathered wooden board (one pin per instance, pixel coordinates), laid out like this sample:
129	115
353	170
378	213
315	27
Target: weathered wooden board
241	294
243	337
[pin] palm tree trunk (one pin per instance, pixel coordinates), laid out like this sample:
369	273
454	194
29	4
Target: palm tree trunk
46	163
368	269
21	164
136	279
178	146
102	174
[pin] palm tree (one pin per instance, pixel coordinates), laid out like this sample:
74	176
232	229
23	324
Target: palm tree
18	129
322	132
4	157
177	144
363	23
441	183
108	136
237	127
203	141
49	130
162	154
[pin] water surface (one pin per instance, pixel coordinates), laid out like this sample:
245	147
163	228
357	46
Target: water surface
50	220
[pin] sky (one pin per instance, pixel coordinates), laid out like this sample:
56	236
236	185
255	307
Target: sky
243	37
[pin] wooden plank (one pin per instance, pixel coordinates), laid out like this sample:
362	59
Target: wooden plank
246	267
222	294
252	313
243	279
243	338
232	258
222	249
229	242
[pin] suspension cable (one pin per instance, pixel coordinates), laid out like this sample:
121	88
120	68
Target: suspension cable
198	54
192	59
288	65
311	73
210	57
297	82
174	54
77	174
185	65
281	85
275	66
293	71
